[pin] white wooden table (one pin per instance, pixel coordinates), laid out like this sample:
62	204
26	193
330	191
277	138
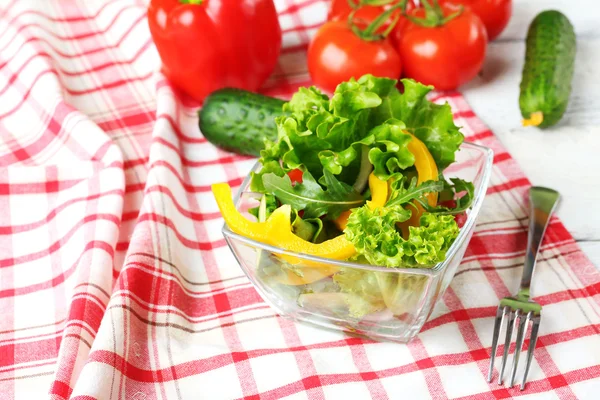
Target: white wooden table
567	156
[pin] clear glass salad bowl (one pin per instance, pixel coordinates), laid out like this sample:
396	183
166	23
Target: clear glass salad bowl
398	301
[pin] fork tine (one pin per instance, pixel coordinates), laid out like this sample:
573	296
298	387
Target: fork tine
532	341
519	344
509	329
500	313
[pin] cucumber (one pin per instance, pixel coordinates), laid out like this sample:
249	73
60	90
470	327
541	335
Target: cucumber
548	70
239	121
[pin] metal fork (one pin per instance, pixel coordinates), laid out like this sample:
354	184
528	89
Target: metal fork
519	310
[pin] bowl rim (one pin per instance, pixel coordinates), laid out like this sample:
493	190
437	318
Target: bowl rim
479	196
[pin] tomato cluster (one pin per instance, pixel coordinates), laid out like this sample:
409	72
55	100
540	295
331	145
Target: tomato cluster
440	42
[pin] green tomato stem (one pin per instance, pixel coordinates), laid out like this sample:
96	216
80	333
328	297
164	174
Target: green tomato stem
354	5
434	15
369	32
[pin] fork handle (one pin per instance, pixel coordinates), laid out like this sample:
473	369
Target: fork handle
542	202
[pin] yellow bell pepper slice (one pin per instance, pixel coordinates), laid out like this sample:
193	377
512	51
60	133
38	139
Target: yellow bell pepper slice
379	195
379	192
277	230
427	170
281	235
342	220
234	219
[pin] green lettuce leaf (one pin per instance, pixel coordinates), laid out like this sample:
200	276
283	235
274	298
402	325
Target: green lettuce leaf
390	153
318	124
327	134
461	191
401	193
361	287
374	235
432	123
310	195
401	293
367	292
310	229
269	204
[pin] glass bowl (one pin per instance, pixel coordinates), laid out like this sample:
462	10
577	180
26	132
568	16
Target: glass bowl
389	304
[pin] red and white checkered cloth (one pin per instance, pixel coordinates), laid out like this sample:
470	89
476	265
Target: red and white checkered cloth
115	281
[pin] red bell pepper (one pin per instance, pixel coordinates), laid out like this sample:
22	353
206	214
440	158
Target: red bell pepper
295	176
207	45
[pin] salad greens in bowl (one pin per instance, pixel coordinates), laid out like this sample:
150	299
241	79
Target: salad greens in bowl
356	217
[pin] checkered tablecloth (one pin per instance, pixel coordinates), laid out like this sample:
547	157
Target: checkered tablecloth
115	281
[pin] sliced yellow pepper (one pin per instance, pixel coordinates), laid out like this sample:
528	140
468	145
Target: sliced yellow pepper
342	220
379	195
426	171
379	192
277	230
234	219
280	234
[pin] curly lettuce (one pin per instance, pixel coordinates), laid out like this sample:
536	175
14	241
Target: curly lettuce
327	134
363	295
375	237
432	123
367	292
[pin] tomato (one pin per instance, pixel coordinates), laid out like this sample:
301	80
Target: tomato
337	54
446	55
460	218
494	14
295	176
448	204
210	44
339	10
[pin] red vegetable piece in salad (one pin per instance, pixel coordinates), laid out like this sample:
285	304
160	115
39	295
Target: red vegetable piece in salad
295	176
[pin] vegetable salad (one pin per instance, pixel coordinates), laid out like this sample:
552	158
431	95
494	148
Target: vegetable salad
359	177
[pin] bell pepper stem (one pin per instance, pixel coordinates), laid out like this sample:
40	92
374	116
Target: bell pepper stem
194	2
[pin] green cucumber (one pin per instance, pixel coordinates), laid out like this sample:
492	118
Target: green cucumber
239	121
548	70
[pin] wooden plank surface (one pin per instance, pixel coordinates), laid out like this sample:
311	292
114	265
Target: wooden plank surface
566	157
